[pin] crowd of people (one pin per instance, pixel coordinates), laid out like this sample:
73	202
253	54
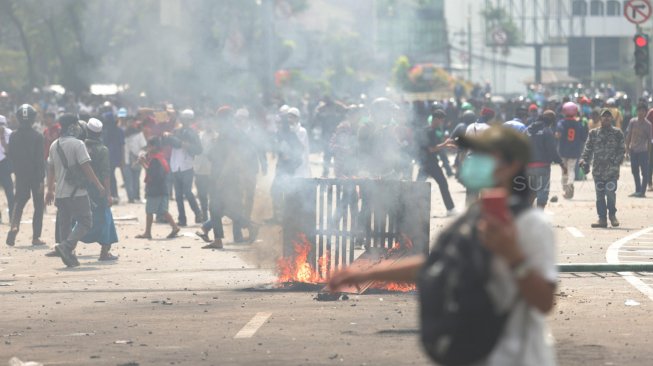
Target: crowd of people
212	160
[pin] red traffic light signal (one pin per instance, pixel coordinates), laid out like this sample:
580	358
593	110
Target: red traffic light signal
641	41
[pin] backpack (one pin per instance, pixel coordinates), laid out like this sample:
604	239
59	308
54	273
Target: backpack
459	322
73	174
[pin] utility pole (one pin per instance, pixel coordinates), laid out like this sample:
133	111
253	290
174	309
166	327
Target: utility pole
267	9
469	43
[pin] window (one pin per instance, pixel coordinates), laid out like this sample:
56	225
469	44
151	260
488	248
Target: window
579	8
596	8
614	8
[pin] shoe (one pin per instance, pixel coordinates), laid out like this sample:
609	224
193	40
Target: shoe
602	223
452	212
213	246
11	237
203	235
52	254
635	194
173	234
108	257
181	224
554	199
613	221
68	258
37	242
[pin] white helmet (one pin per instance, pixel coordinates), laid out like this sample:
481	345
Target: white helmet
187	114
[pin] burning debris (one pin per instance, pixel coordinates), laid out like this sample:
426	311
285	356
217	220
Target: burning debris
298	269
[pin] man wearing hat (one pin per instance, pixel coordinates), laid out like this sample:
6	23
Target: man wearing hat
26	154
103	230
604	151
517	123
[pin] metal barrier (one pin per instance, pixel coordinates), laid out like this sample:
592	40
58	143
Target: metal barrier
336	216
605	267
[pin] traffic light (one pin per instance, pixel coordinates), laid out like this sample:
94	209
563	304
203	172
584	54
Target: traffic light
641	54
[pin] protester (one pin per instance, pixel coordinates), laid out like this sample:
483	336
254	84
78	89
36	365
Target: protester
289	150
431	143
328	115
27	157
5	165
304	169
518	123
571	135
639	134
202	166
103	229
157	173
226	196
114	139
51	133
519	274
186	145
543	154
135	144
604	153
255	159
475	129
68	170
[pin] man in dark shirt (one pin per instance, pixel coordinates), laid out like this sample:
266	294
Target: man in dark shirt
430	145
28	159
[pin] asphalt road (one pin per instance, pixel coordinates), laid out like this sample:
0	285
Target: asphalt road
167	302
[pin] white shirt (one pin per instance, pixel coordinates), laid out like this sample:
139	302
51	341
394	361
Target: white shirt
202	164
304	170
3	154
134	144
476	128
524	341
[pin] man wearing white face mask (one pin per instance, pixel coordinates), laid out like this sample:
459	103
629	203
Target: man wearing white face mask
304	170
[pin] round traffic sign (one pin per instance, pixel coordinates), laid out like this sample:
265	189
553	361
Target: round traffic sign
500	37
638	11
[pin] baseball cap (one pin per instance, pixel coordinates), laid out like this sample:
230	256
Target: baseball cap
605	111
506	141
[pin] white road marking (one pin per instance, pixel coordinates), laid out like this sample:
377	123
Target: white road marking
253	325
575	232
612	257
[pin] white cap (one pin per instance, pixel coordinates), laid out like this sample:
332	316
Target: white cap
242	113
187	114
284	109
3	120
610	101
94	125
294	112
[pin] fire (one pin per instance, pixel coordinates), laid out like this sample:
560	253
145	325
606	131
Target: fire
298	268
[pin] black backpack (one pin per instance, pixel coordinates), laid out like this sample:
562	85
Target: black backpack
459	322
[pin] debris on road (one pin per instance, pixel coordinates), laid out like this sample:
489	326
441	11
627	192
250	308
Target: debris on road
14	361
631	303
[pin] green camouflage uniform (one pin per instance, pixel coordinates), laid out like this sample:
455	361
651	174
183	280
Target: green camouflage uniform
605	149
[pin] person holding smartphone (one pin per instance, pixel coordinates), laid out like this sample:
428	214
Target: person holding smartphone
519	246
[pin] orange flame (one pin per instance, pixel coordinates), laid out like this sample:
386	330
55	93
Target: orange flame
298	268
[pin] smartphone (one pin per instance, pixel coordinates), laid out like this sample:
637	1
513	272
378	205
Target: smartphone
495	202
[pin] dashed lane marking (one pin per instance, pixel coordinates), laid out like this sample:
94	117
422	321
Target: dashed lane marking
612	257
253	325
575	232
